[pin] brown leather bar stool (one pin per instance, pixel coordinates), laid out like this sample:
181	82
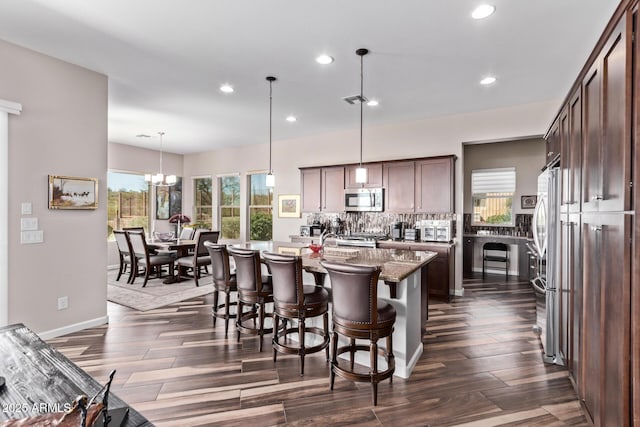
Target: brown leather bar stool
253	290
292	299
359	314
223	281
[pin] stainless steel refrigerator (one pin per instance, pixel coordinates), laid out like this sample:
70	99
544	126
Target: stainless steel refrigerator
546	229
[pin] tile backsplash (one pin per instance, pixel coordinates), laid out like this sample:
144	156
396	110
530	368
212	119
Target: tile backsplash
521	228
369	222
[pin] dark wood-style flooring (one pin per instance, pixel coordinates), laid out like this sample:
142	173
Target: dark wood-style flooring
481	367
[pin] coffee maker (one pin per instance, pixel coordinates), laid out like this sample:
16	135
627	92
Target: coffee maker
397	230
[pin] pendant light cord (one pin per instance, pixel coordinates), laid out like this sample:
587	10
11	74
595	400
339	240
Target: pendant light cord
361	102
270	121
161	135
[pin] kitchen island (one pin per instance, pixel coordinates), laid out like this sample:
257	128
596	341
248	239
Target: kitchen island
402	288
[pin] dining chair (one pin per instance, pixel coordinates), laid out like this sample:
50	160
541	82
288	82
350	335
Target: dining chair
200	256
359	314
224	280
186	233
495	252
145	259
295	301
124	252
254	291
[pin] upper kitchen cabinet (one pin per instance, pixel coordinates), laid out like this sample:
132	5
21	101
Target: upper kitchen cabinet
310	189
332	189
553	143
606	175
399	179
434	185
575	152
322	189
374	176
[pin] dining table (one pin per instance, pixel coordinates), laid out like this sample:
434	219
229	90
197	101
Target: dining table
181	247
401	271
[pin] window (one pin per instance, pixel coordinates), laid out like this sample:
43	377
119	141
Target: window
492	195
128	202
260	208
229	196
202	202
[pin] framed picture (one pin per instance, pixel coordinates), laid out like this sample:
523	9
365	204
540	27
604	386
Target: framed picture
175	198
162	202
70	192
289	205
528	202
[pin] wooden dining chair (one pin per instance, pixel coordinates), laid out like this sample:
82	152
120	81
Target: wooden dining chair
143	258
200	256
125	254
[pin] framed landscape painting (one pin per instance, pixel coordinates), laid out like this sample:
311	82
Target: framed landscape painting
70	192
289	206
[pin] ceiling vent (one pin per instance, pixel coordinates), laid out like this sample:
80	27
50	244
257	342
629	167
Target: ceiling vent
355	99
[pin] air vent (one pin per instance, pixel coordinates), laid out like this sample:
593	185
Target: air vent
355	99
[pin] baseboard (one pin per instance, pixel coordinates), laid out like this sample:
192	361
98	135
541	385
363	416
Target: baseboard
491	271
54	333
458	292
113	267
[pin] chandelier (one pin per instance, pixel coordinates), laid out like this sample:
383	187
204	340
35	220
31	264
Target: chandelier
160	179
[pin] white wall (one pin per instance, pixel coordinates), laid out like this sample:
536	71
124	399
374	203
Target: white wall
62	131
408	139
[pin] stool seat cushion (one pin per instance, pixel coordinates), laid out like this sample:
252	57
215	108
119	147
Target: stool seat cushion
315	295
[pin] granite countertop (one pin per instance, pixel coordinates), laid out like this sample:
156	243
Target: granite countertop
396	264
383	243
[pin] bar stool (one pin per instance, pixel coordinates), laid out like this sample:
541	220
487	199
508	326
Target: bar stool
490	254
223	281
292	299
359	314
253	290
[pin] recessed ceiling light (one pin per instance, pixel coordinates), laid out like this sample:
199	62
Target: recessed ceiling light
291	119
483	11
372	103
226	88
488	80
324	59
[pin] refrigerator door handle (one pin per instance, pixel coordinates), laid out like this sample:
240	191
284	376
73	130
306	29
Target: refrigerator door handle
540	246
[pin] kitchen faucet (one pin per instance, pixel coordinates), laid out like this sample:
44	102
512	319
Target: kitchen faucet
325	235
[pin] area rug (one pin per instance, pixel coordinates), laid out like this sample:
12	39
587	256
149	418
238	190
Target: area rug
156	294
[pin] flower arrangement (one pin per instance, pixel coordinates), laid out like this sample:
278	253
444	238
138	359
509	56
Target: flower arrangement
179	219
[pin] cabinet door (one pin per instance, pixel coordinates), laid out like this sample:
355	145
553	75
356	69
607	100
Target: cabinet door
399	178
565	160
374	176
333	189
310	190
563	291
607	143
576	295
553	141
434	186
439	276
575	151
606	320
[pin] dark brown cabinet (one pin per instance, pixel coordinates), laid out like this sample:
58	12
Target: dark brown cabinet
574	187
374	176
434	185
399	179
440	271
607	308
310	190
606	123
332	189
322	189
553	142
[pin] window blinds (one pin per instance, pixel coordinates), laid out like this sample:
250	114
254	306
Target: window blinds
499	180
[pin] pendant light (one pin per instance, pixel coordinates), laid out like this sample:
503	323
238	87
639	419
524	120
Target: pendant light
361	172
160	179
271	180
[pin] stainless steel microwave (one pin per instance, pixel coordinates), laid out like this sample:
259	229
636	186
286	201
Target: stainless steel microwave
364	200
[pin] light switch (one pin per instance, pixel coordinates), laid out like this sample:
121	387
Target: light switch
26	208
28	237
28	224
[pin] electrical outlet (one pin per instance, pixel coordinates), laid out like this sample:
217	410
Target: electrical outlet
63	303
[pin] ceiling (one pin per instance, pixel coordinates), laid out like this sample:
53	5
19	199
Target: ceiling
166	60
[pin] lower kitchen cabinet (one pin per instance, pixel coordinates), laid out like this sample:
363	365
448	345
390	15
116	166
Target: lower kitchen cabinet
467	257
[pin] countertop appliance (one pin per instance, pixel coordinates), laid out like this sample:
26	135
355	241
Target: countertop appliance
546	229
311	230
364	200
436	230
397	230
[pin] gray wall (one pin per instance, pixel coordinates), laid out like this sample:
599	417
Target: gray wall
62	131
527	156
